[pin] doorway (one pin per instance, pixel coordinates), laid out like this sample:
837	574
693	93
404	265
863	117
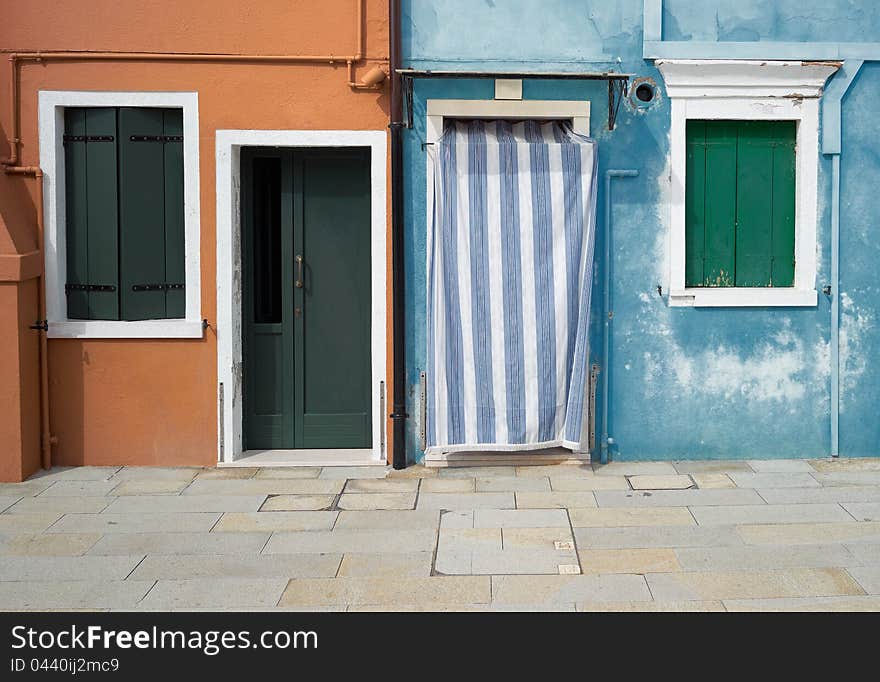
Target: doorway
306	298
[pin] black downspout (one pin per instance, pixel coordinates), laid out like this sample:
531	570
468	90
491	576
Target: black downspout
398	415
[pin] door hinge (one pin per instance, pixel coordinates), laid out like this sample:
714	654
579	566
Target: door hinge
161	286
88	138
89	287
382	421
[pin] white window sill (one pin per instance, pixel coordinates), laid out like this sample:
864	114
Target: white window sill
113	329
743	297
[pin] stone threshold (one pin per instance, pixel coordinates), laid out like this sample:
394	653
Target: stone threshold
305	458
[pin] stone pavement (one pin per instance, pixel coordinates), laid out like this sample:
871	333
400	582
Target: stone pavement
711	536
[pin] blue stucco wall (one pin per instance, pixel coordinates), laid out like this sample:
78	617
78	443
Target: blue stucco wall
685	383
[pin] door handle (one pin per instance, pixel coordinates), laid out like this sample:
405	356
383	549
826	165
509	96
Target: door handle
299	271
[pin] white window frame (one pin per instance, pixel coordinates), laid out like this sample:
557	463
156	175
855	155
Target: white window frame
750	91
229	295
52	104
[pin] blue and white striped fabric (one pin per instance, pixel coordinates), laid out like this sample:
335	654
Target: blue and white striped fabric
510	259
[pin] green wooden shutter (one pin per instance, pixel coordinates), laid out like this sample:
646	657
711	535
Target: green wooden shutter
90	150
151	214
740	203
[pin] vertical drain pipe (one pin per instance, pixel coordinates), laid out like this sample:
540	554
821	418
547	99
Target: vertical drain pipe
609	311
398	414
831	145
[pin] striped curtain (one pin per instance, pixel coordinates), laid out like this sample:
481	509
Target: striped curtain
510	260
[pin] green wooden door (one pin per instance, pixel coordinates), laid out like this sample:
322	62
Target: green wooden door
306	333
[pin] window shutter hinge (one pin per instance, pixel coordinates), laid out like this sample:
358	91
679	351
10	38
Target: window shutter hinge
156	138
88	287
40	325
160	286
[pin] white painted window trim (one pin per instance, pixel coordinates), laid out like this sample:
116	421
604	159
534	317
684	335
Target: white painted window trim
229	295
51	129
747	90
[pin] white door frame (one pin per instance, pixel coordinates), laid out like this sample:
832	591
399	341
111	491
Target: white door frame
229	273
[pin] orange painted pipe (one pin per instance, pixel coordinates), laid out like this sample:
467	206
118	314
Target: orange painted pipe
46	439
16	57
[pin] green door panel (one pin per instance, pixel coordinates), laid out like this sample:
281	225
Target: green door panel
91	207
306	349
332	205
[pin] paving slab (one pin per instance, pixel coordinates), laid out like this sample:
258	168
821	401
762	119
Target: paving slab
430	501
432	591
711	481
864	553
448	485
184	567
752	558
62	544
520	518
556	470
477	472
265	486
298	503
863	511
155	473
150	486
64	568
27	522
638	560
820	604
634	469
214	593
382	485
554	500
237	473
588	483
414	471
89	594
140	504
652	606
857	478
769	513
711	466
147	522
548	589
535	538
389	565
868	577
661	482
286	472
342	473
60	505
179	543
458	540
7	501
846	465
251	522
780	466
782	480
832	495
29	488
711	585
80	489
657	536
368	501
76	473
352	541
513	484
631	516
388	520
508	562
677	498
810	533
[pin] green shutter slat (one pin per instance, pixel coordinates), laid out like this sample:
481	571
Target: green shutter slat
76	206
784	174
142	214
720	200
754	203
175	270
695	201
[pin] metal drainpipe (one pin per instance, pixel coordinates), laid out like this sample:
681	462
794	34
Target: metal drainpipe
398	414
831	145
609	311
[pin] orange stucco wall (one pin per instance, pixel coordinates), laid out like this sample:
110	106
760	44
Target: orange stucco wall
155	401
